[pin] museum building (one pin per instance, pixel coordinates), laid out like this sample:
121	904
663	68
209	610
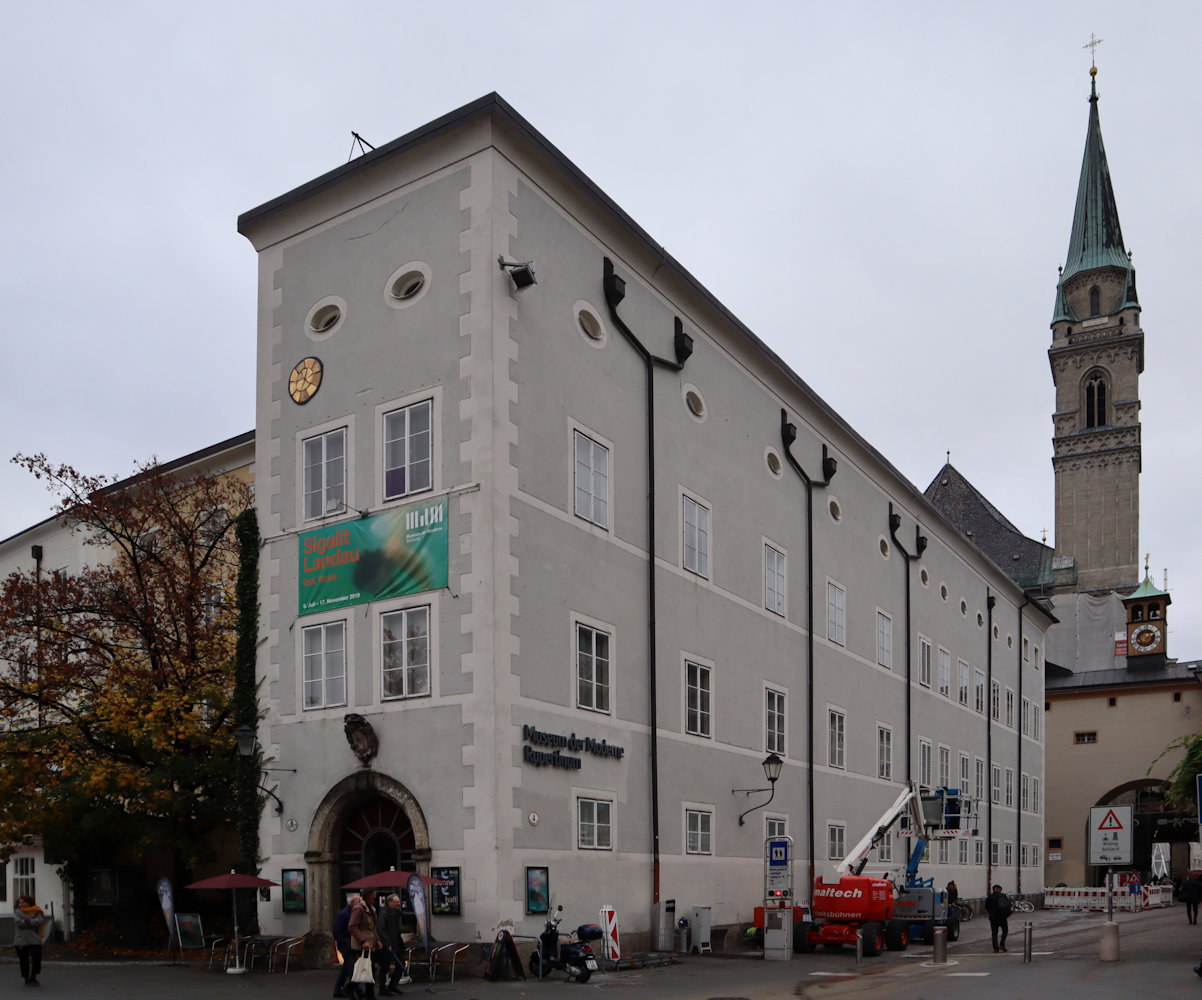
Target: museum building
556	550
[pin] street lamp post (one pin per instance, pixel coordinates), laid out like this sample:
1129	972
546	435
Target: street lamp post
772	765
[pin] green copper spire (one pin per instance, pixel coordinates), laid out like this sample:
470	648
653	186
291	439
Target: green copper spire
1097	238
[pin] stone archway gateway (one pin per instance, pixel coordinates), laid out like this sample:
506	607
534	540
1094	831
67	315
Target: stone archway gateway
366	810
1154	824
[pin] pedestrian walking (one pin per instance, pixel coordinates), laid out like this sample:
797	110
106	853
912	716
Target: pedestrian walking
342	939
364	938
998	907
28	938
1191	894
389	930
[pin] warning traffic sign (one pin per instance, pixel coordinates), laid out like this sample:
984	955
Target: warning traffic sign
1110	835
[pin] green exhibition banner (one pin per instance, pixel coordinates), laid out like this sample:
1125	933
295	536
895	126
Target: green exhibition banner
398	552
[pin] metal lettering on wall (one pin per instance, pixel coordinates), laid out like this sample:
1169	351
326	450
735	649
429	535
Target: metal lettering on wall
572	743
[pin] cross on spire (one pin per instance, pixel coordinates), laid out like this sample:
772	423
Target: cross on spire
1092	44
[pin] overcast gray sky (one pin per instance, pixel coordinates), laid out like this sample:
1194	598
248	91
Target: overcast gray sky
883	192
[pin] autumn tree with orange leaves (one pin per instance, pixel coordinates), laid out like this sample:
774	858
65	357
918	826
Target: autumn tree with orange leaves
117	706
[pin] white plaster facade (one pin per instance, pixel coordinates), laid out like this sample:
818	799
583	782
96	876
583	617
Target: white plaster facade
512	378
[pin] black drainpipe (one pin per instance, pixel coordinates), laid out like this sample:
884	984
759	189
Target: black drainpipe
990	601
1018	834
920	545
788	434
615	291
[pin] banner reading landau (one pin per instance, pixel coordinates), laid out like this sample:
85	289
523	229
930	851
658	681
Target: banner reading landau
398	552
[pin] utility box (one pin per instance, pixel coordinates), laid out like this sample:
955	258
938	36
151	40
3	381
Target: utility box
778	934
700	922
665	925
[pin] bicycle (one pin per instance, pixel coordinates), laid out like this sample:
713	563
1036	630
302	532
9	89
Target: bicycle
1020	905
962	910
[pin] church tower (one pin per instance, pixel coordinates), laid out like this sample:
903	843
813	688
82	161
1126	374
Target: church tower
1097	355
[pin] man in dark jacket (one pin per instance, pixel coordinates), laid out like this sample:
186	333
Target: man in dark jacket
342	938
1191	894
389	929
998	907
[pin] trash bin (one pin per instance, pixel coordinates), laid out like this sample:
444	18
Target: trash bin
682	936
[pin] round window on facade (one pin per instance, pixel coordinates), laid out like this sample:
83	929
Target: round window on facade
964	607
1010	641
980	620
694	401
773	461
996	631
407	284
943	591
590	324
884	549
325	318
925	577
836	511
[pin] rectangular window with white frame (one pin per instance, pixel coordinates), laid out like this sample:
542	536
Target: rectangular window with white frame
696	540
1010	708
323	655
1010	786
405	653
884	848
1024	855
1024	716
962	854
884	753
995	695
1008	854
884	640
978	852
924	662
943	849
924	762
837	735
25	881
945	673
774	721
1036	802
774	579
962	689
995	784
1024	793
324	474
775	826
699	835
836	839
945	767
980	692
965	779
979	785
408	450
1034	855
698	707
995	857
593	668
594	824
591	480
836	609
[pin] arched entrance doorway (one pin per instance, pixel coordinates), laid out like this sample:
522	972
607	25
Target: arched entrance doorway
366	823
376	837
1155	825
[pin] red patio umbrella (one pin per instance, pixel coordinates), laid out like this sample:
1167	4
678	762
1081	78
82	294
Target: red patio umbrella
233	881
390	879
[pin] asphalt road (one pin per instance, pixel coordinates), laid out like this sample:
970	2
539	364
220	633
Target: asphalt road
1157	951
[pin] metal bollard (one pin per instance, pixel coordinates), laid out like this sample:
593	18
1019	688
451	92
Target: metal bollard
1028	934
859	946
940	945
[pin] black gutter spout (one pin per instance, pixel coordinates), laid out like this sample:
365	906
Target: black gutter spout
614	288
788	434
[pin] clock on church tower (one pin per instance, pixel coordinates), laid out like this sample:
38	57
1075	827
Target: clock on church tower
1147	627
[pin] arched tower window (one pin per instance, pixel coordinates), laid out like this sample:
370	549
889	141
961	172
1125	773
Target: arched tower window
1095	401
1095	301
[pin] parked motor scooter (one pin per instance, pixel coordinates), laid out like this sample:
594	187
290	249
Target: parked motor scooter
574	956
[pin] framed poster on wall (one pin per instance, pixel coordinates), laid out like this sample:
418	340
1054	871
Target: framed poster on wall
538	890
292	888
446	896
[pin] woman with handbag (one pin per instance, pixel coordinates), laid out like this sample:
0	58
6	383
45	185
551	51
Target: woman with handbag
366	941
